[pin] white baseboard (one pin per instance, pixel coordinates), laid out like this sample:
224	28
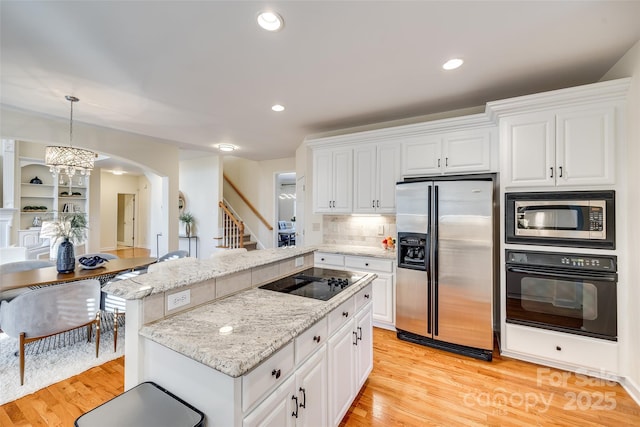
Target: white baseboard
108	248
632	388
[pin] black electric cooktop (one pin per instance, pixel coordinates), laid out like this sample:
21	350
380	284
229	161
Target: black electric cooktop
315	282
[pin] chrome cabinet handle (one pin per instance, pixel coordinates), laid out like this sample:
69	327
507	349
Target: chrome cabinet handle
366	296
345	313
551	172
317	338
355	338
359	336
438	162
560	171
446	161
276	373
373	203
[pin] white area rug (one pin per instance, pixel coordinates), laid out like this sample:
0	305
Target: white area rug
51	366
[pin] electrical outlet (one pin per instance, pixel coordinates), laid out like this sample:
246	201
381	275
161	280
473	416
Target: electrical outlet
299	261
381	230
178	299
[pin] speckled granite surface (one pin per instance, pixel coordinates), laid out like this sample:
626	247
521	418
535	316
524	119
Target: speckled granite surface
263	322
358	251
190	270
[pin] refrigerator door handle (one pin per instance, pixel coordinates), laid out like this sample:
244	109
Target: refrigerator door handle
435	259
428	257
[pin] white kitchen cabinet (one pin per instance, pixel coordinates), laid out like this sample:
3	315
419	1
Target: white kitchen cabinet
383	286
311	389
277	410
300	401
562	350
364	346
455	152
350	362
333	180
376	170
559	147
341	357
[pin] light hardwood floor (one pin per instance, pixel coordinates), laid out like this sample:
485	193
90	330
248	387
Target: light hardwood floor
410	385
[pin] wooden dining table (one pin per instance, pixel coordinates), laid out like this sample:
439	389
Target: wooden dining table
50	275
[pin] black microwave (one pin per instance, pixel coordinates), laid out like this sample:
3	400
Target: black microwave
581	219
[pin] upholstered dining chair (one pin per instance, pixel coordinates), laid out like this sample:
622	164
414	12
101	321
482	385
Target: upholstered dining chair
51	310
15	267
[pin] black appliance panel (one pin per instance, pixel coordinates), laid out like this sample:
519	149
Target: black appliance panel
315	282
413	251
561	218
573	293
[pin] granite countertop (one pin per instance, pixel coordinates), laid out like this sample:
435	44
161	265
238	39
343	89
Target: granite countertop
358	251
191	270
263	322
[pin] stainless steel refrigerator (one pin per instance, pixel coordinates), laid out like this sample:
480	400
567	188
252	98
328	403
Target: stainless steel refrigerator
446	264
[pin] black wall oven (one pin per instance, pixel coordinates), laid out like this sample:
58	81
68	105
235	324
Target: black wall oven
574	293
581	219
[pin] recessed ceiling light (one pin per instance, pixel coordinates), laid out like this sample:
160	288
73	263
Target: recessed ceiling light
226	147
452	64
117	172
277	108
270	21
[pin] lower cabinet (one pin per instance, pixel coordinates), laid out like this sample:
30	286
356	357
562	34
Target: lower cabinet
350	353
565	351
311	391
384	294
300	401
277	410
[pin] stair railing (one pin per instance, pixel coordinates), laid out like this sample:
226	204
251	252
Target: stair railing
232	230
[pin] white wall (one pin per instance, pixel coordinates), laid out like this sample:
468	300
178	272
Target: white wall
201	184
155	155
257	181
629	66
311	223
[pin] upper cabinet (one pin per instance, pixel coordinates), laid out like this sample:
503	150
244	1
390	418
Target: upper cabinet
466	151
333	180
376	169
558	148
561	138
357	173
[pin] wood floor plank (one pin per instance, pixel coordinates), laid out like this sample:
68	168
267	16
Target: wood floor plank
410	385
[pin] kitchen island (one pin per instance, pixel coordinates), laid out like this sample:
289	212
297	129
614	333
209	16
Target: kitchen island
242	354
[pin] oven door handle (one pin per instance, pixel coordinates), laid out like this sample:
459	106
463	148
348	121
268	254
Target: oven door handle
605	277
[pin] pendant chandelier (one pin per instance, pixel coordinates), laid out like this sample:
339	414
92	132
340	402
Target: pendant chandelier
69	160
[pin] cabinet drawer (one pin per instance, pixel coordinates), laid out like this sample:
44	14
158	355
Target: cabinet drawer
364	296
341	314
325	259
373	264
591	353
311	339
267	376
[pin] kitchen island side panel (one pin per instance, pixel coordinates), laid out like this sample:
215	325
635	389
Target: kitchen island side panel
218	395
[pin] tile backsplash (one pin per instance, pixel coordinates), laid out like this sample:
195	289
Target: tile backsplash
357	230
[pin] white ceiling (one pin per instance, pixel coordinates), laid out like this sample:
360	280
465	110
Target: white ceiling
202	72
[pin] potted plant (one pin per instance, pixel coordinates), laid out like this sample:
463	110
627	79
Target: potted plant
72	229
188	220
